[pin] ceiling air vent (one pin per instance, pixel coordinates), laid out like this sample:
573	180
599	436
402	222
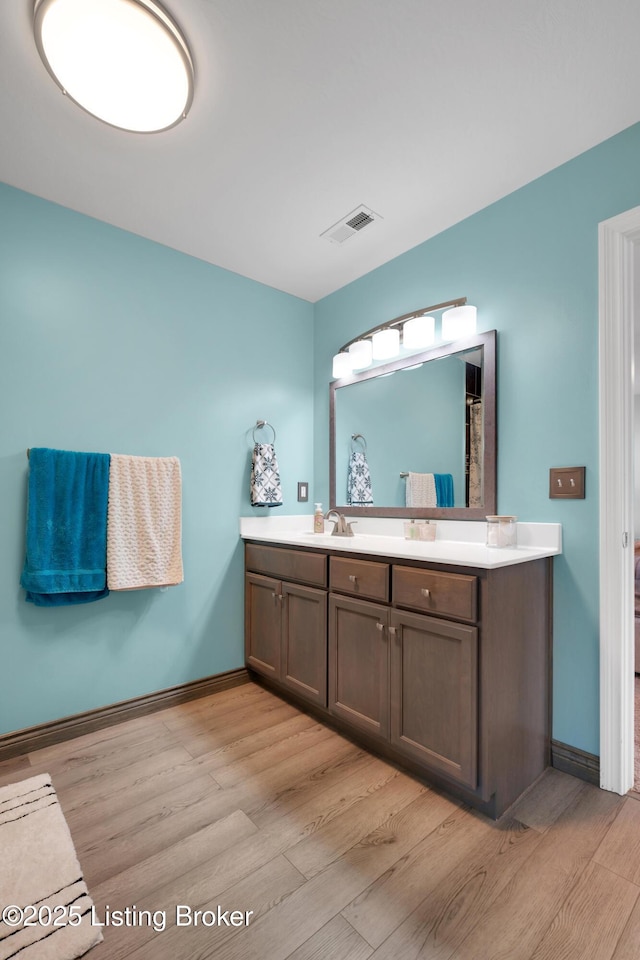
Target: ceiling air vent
350	225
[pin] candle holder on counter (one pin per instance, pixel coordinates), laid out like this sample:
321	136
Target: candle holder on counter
502	531
420	530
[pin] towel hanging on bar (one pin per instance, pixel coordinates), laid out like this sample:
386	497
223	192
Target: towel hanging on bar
266	488
420	490
144	523
66	555
359	487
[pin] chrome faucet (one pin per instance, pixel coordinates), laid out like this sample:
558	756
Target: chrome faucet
341	527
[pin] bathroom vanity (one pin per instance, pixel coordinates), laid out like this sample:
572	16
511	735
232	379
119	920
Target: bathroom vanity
435	655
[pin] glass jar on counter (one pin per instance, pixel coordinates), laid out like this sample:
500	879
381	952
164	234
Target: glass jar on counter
502	531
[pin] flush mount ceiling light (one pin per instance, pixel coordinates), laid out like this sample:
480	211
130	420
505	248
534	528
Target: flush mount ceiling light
418	331
123	61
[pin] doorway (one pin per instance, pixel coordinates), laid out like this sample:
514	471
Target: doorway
617	242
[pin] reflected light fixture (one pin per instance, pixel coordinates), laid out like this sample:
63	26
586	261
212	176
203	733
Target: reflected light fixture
418	332
123	61
459	322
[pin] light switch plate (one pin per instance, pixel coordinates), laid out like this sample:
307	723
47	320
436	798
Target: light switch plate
566	483
303	492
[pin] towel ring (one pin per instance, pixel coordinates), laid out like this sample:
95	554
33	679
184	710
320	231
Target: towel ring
260	424
358	436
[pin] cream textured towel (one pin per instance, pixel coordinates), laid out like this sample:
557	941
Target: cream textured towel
421	490
144	523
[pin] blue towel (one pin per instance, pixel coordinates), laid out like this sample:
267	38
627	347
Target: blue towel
66	558
444	489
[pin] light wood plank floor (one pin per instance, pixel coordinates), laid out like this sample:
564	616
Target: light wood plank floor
240	800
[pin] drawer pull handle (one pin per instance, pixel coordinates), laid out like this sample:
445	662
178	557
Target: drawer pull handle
353	578
425	592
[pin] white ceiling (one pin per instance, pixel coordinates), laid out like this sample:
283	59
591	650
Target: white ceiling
423	110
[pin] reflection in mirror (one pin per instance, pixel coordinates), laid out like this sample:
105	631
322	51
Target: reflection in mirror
417	437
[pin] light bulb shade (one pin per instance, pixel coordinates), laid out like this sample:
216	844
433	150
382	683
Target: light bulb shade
386	343
123	61
418	332
361	353
341	366
459	322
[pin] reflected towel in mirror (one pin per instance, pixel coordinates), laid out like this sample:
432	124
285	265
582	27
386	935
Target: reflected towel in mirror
444	489
421	490
359	489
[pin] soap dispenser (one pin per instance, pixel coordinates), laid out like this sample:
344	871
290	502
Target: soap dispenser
318	519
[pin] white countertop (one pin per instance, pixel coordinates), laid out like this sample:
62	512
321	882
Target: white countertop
461	543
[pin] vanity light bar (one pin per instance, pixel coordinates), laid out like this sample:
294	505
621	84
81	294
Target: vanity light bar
414	331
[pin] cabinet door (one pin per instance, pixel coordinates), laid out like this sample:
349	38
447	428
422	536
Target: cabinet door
434	693
359	663
262	624
304	642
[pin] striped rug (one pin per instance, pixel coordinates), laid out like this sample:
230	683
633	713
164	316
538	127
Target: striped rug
44	905
636	772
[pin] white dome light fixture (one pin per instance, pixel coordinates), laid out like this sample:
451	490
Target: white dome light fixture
386	343
361	353
459	322
418	332
123	61
342	365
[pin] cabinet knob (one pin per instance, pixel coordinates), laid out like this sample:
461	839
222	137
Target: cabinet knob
380	626
353	578
425	592
393	632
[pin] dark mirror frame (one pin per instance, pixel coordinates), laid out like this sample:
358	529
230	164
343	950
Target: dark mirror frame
487	341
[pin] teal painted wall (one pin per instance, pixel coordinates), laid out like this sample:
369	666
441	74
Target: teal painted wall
530	264
413	420
112	343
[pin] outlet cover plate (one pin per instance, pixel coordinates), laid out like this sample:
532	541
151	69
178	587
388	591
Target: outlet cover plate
303	492
566	483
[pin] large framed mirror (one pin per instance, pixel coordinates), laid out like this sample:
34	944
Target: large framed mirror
417	437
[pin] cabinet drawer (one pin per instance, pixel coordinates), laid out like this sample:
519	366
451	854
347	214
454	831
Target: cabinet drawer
360	578
445	594
287	564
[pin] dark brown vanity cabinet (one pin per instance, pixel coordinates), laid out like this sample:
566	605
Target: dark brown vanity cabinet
434	693
286	623
359	664
440	667
403	677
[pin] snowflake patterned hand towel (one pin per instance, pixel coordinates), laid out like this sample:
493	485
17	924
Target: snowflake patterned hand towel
266	490
359	492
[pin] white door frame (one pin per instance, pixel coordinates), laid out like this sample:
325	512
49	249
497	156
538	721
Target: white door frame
616	239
